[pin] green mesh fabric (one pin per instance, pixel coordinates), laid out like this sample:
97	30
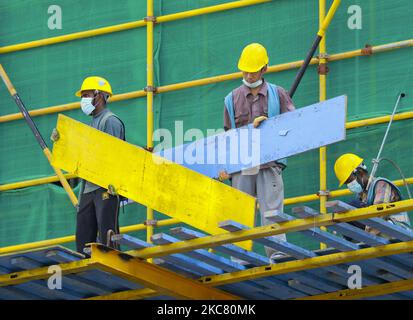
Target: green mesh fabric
186	50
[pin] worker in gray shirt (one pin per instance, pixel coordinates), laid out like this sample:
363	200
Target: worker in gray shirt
97	216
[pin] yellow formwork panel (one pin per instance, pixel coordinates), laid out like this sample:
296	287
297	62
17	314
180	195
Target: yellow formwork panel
157	183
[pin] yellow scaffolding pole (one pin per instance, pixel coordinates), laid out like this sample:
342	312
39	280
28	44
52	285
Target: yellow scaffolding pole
67	239
149	100
216	79
322	70
127	26
33	182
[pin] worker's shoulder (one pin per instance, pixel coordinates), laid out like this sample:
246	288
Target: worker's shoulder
381	183
237	91
113	119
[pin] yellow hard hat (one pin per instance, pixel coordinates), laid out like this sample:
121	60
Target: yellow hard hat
95	83
345	165
253	58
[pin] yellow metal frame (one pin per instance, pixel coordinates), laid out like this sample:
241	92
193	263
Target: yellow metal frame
370	291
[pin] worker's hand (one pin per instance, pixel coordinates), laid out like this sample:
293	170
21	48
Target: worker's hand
223	175
258	120
55	135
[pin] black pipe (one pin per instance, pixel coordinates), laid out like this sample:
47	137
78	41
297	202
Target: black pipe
303	68
30	121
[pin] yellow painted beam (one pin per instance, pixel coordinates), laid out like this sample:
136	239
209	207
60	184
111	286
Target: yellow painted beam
366	292
310	263
154	277
42	273
149	179
67	239
274	229
128	295
33	182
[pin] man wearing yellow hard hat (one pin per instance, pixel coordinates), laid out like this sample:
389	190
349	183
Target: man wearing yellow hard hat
98	210
350	170
253	102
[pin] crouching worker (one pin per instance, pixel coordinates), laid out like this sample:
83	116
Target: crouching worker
350	169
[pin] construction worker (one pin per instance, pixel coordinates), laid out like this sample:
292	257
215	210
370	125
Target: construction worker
98	210
253	102
350	169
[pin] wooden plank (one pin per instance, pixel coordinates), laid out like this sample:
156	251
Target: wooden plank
278	137
146	178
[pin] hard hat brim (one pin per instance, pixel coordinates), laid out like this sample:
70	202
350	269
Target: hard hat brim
343	181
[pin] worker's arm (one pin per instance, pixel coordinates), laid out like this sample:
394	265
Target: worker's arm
286	103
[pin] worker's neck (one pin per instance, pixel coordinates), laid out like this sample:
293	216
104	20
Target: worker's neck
255	91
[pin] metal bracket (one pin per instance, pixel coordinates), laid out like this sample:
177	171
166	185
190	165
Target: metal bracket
323	193
150	149
323	56
150	89
367	50
153	223
150	19
323	69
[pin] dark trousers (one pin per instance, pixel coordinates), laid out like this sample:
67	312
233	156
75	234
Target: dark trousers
97	214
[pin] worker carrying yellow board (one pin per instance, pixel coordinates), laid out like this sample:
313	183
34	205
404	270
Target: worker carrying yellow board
350	169
253	102
98	209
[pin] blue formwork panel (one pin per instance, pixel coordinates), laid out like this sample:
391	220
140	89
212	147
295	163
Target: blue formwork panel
276	138
74	286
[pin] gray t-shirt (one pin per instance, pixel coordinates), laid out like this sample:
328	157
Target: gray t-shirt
114	127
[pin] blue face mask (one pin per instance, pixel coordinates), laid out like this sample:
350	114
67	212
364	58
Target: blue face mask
355	187
252	85
87	106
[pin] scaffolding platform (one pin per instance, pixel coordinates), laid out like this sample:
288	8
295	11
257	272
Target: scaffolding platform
183	268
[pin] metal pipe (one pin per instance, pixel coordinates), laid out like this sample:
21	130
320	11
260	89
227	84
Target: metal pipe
37	135
323	97
377	160
67	239
149	101
33	182
127	26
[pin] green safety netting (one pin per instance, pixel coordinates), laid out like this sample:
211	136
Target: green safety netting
186	50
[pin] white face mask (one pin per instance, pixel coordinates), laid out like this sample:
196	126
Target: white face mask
252	85
87	106
355	187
